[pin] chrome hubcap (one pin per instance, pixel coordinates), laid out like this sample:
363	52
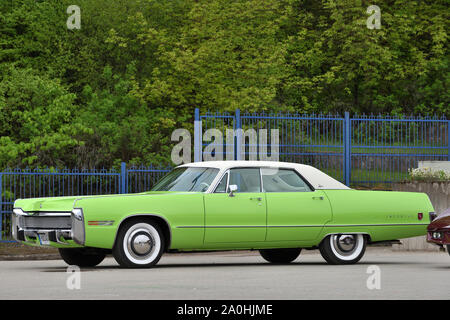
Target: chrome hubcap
345	244
142	244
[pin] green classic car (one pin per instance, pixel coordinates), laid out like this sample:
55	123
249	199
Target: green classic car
277	208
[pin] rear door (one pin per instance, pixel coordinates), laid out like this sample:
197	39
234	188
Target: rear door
295	211
238	218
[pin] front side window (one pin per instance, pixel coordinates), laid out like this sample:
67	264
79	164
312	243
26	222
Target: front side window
187	179
246	179
283	180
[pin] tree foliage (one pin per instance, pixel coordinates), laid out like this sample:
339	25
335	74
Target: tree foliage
115	89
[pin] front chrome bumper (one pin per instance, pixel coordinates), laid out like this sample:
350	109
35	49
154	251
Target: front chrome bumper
46	227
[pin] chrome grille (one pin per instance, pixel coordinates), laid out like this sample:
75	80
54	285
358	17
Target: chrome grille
45	222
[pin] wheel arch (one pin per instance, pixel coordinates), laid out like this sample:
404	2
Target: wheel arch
160	220
365	234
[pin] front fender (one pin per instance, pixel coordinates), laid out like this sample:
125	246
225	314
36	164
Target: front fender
103	216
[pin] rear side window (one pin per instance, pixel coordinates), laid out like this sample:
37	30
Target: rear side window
283	180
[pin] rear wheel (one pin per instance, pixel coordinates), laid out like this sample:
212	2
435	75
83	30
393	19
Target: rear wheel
343	248
280	256
81	257
448	248
139	244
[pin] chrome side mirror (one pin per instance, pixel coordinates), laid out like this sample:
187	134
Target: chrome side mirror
231	189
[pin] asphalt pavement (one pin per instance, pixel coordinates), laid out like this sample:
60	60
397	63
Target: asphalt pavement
381	274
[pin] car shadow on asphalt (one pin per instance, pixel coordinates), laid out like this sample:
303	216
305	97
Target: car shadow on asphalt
231	264
443	267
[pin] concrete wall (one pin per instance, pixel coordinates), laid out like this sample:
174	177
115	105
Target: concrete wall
439	193
435	165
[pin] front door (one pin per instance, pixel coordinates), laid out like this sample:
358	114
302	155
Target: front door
240	217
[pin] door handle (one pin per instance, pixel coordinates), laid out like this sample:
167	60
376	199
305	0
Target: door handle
317	198
257	198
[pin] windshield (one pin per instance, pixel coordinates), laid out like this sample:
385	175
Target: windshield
187	179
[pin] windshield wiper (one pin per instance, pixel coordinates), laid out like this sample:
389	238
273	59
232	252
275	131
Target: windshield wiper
194	181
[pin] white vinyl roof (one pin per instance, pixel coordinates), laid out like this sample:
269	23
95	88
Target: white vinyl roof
315	177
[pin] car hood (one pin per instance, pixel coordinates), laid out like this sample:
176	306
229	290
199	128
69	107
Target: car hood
441	222
67	203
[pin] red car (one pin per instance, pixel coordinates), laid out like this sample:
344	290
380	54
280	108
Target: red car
439	229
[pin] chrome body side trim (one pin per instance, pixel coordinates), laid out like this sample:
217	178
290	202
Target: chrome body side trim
312	226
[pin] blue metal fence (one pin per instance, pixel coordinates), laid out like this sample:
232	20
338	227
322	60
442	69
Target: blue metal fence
355	150
28	183
139	179
384	148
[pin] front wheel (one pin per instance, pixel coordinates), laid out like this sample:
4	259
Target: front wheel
139	244
343	248
280	256
81	257
448	249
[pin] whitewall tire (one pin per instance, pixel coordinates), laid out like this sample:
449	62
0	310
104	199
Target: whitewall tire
343	248
139	244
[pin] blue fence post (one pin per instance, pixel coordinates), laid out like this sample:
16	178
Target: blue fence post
347	149
448	141
197	136
123	177
237	148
